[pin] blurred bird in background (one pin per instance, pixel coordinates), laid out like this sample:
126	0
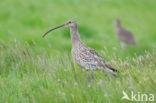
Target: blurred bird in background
125	36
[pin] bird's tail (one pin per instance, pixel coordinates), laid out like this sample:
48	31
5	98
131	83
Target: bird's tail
115	75
111	70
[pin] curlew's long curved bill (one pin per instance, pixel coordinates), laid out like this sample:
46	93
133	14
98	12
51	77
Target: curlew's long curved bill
53	29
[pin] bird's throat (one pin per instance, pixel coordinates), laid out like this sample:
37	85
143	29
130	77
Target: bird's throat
75	38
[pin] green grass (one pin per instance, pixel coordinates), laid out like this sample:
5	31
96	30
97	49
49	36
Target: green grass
33	69
29	76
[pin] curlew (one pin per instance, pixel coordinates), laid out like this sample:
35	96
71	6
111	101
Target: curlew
87	58
124	35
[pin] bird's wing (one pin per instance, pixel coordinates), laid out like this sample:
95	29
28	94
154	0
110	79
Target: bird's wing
95	59
101	61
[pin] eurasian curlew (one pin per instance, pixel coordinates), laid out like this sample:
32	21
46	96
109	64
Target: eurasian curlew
124	35
87	58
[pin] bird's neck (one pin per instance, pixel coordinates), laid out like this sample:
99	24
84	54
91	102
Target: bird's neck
118	25
75	38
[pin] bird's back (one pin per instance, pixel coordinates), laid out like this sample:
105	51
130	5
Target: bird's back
125	36
88	58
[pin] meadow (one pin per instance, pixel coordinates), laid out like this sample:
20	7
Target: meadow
40	70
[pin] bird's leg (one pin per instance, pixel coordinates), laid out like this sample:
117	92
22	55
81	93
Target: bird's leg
123	45
89	76
92	75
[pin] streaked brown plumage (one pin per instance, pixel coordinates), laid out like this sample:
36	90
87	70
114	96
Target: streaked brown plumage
87	58
124	35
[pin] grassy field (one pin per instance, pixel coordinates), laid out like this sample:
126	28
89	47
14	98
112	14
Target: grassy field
37	70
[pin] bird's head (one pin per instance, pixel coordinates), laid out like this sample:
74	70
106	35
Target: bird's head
69	23
116	21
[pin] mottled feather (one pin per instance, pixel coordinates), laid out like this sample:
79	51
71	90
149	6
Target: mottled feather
89	58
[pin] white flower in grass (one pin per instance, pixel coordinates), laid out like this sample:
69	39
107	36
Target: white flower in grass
58	80
99	82
89	85
76	84
151	65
